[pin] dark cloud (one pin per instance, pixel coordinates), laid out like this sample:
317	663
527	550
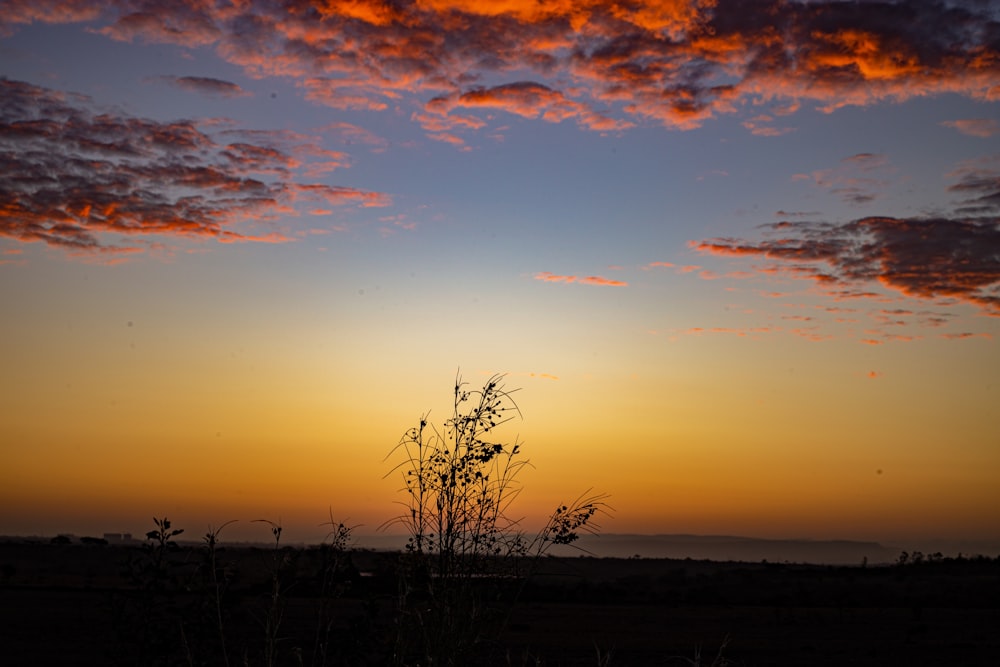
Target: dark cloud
929	258
203	85
983	188
796	214
102	182
606	64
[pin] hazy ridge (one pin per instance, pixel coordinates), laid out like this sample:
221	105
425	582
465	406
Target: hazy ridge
737	548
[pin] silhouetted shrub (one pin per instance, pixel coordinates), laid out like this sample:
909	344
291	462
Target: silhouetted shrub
466	555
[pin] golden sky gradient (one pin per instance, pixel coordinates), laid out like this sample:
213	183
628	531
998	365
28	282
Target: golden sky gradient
742	259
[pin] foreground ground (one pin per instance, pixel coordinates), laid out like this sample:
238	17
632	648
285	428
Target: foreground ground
78	604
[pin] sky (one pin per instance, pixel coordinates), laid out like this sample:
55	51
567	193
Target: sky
740	259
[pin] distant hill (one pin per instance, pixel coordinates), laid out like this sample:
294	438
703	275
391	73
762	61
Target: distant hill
733	548
704	547
752	549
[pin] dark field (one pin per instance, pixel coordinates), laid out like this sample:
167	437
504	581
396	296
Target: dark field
79	605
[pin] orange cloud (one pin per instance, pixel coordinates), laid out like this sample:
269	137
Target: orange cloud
123	180
545	276
523	98
811	334
668	16
20	12
604	64
758	126
341	95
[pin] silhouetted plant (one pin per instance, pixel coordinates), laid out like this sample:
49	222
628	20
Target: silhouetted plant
603	658
718	661
159	542
279	564
460	482
178	611
332	578
218	577
148	619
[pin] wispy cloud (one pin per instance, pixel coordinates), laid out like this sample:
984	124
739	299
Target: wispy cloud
762	127
545	276
965	335
105	183
979	182
796	214
735	331
858	179
603	64
975	127
350	134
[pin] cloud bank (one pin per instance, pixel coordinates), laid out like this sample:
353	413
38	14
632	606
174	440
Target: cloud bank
603	64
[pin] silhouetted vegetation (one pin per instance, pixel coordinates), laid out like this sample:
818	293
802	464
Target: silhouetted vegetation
74	604
466	556
216	606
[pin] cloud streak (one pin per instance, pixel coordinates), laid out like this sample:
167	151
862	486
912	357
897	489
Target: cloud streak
975	127
547	277
202	85
103	182
604	64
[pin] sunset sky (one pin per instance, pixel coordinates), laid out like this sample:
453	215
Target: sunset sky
742	259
